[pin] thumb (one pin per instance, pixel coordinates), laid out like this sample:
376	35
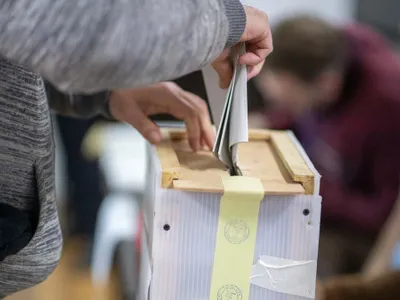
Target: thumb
224	68
143	124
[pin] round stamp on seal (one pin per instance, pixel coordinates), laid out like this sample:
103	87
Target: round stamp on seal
236	231
229	292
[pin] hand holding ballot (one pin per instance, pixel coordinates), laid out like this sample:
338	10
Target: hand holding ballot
258	39
233	122
234	67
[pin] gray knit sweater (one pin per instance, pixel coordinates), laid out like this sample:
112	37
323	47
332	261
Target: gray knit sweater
84	46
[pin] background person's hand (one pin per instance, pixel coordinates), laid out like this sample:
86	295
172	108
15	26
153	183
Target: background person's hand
134	106
258	38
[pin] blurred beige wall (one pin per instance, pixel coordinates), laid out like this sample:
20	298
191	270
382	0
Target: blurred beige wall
333	10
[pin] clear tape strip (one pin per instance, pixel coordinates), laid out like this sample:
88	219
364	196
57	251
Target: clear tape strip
285	276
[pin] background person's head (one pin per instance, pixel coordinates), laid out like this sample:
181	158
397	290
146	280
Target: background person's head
305	70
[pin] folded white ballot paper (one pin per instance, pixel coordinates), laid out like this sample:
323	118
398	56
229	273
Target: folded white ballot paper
233	120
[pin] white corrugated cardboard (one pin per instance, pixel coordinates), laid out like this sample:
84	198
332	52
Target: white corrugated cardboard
182	226
285	276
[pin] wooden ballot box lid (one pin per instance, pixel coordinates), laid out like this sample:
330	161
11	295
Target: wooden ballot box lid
274	157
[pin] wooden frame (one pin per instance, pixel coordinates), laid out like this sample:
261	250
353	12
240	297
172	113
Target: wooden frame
270	155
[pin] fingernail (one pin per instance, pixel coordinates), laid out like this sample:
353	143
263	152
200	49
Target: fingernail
154	137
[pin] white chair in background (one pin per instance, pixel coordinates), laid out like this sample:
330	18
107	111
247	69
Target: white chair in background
116	224
123	162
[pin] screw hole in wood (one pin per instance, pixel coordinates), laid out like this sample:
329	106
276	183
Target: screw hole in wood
166	227
306	212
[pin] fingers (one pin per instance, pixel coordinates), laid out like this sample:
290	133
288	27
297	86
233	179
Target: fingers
253	71
193	110
194	131
138	119
250	59
175	104
259	45
254	61
224	68
134	107
207	130
258	39
256	54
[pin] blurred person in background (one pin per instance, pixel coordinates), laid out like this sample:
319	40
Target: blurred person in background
89	46
84	185
338	89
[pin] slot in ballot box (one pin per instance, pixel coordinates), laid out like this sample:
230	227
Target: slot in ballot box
212	236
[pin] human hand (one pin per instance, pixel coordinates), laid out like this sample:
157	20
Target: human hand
258	38
134	106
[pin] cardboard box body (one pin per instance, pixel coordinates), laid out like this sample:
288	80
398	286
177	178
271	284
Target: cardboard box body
181	212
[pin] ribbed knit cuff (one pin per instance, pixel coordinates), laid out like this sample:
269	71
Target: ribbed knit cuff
89	106
101	105
106	112
237	21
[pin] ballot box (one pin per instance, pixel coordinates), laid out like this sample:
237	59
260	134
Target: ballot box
209	235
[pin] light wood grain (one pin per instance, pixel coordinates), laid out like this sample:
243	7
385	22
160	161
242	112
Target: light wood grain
170	165
270	187
202	172
181	133
292	160
175	133
259	135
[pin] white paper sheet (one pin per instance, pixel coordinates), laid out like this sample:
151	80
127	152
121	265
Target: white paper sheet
232	119
239	132
215	94
222	143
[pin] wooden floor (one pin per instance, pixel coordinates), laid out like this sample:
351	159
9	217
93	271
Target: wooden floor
70	282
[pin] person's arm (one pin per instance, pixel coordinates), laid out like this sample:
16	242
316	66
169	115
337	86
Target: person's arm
369	209
85	46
